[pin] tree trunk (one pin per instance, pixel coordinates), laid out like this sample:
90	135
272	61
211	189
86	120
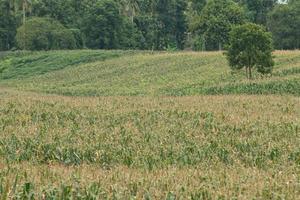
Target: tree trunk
247	72
24	21
24	12
250	73
7	41
250	68
132	18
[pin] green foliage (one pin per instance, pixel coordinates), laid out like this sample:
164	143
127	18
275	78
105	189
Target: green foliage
163	24
102	25
197	5
66	12
131	37
250	46
284	23
150	24
198	43
130	8
216	21
44	34
180	23
7	27
257	10
79	38
149	28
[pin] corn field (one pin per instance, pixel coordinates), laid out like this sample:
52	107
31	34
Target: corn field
136	125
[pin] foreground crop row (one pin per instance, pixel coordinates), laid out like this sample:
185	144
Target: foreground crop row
146	147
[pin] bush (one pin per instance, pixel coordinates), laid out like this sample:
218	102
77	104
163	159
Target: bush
44	34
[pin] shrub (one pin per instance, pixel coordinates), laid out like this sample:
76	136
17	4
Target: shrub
44	34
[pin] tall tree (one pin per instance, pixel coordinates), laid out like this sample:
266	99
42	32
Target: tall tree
181	23
7	25
284	23
102	25
197	5
250	47
163	24
25	7
67	11
216	21
258	10
130	8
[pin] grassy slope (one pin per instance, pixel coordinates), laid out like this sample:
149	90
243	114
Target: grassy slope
22	65
111	73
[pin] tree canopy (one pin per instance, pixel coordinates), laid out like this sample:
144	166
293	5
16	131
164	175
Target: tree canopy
250	46
284	23
152	24
216	20
44	34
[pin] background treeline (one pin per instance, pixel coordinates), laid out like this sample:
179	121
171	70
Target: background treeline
141	24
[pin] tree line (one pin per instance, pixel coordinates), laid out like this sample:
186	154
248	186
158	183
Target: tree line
142	24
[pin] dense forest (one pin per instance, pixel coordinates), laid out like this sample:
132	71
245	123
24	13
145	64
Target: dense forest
141	24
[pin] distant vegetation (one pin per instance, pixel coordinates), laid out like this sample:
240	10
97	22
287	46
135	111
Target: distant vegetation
44	34
106	73
141	24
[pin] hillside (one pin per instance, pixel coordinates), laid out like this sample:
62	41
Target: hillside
119	73
141	125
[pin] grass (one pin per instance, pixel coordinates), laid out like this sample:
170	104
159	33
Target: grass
121	73
149	133
22	65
